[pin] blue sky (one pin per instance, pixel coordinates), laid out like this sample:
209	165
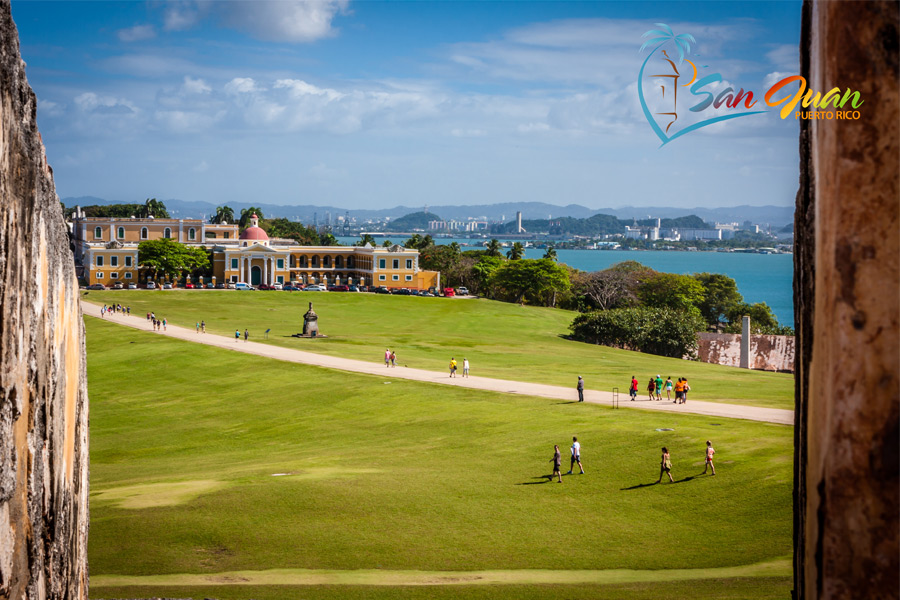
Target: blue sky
374	104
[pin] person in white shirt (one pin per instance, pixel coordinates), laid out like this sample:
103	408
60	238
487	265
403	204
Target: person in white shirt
465	367
576	456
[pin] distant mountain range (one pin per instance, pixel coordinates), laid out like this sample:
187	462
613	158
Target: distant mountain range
777	216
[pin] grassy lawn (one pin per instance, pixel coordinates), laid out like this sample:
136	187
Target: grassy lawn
396	475
501	340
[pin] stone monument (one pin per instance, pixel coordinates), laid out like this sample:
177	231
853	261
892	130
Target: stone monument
310	323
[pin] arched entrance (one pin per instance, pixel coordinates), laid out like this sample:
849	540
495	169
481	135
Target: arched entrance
255	276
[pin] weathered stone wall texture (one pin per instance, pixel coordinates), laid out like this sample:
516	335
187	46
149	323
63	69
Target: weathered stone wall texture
767	352
43	393
849	477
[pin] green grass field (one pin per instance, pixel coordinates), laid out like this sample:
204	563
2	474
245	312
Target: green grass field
501	340
378	479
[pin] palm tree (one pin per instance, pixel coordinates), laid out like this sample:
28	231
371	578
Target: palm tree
224	214
682	41
455	247
387	243
246	213
550	253
366	239
516	252
413	242
493	248
154	208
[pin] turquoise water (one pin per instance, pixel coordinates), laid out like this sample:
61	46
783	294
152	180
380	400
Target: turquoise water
760	277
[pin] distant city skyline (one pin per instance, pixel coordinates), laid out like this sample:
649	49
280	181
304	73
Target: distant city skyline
377	104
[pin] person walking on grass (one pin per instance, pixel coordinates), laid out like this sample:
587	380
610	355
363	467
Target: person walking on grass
669	385
687	388
710	452
679	390
651	388
237	335
164	323
198	326
576	456
665	466
634	388
452	367
580	389
393	359
659	384
387	357
557	463
465	367
246	335
202	326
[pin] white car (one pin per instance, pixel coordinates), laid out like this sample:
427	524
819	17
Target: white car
240	285
314	288
151	285
277	286
132	286
462	291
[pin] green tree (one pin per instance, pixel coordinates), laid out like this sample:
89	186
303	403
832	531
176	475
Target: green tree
167	257
367	239
537	281
494	248
483	270
670	290
762	320
720	297
550	253
224	214
328	239
660	331
516	252
387	243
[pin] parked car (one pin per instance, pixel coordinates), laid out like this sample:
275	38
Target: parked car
382	290
221	286
118	285
97	286
151	285
189	286
354	288
263	286
290	288
240	285
231	285
425	293
167	286
209	286
449	293
132	286
339	288
277	286
315	288
462	291
402	292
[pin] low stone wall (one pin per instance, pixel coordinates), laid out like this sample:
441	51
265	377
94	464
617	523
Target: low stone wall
767	352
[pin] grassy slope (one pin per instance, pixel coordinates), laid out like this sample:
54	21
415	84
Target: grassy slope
404	476
501	340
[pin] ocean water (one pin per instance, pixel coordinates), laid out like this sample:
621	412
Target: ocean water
760	277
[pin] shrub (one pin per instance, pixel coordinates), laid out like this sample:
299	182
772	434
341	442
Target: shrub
660	331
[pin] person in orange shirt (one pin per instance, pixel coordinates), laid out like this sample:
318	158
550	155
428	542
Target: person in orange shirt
679	390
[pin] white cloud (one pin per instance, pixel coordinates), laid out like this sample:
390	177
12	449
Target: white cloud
785	57
241	85
49	108
773	78
94	103
137	33
468	133
195	86
184	121
181	15
298	21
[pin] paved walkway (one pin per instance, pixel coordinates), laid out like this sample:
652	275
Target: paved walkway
697	407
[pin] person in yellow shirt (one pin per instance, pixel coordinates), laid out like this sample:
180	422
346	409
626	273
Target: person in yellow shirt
452	367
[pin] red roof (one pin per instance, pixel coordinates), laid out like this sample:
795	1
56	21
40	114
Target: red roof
254	233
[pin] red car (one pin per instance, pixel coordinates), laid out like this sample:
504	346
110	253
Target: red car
449	292
189	286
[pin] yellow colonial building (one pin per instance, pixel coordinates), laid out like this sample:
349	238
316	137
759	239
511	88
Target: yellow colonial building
106	251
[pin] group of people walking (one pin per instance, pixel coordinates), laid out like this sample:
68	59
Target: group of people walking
656	385
665	464
115	308
390	358
454	366
158	324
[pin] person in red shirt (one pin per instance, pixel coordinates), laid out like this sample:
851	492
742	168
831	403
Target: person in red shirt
634	388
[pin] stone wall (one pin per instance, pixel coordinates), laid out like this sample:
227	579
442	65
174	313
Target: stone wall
43	393
847	277
767	352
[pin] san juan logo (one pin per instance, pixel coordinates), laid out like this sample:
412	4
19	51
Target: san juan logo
673	111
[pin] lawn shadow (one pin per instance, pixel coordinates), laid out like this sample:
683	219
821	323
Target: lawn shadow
542	478
638	486
569	402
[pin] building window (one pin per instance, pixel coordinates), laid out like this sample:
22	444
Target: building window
303	262
409	263
381	278
315	261
409	277
279	263
98	233
127	275
395	277
280	279
234	263
99	261
99	275
227	235
113	275
234	279
120	233
192	234
211	235
114	261
167	233
350	262
326	262
382	263
143	233
396	263
127	261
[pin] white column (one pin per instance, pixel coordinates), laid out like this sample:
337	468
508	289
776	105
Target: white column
241	266
265	271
